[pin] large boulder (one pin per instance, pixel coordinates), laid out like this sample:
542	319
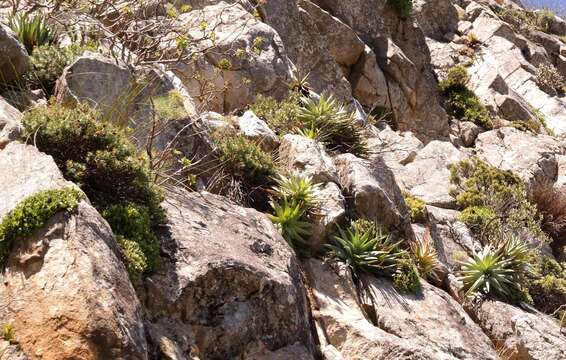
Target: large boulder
373	192
532	157
246	57
307	157
229	286
256	129
428	175
99	81
522	335
396	148
10	123
14	60
426	325
65	290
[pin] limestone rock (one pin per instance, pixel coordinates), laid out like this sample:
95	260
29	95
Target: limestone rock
256	129
396	148
229	283
331	211
428	176
308	157
506	148
368	81
522	335
10	125
14	59
373	192
246	57
65	290
98	81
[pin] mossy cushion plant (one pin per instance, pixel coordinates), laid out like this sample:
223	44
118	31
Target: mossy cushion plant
99	157
32	214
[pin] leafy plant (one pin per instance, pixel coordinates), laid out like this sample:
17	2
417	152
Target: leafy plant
365	250
9	334
425	256
339	130
32	31
417	208
282	117
169	106
479	218
288	219
549	78
406	277
461	101
497	271
297	189
32	214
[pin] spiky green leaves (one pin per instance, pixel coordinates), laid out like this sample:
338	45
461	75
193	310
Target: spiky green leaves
425	256
32	31
32	214
288	218
297	189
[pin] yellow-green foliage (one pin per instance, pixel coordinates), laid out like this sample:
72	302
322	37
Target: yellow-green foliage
425	255
32	214
461	101
32	31
491	193
548	285
417	208
282	117
8	333
170	106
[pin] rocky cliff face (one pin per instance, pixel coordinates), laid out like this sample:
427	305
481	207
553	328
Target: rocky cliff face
422	93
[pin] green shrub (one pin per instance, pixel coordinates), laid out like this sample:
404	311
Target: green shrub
289	220
133	223
48	63
170	106
406	277
549	78
548	293
32	31
495	194
9	334
544	19
337	128
417	208
402	7
99	157
461	101
282	117
32	214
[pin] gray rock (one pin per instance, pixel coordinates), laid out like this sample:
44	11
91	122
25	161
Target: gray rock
64	289
256	129
10	123
371	188
396	148
330	212
368	81
231	275
14	60
522	335
308	157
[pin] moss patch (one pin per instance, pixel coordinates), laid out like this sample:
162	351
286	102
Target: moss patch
32	214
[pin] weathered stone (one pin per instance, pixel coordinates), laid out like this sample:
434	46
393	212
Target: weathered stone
14	59
428	176
368	81
396	148
308	157
10	123
256	129
330	211
64	289
468	132
229	283
371	188
521	335
98	81
11	351
505	149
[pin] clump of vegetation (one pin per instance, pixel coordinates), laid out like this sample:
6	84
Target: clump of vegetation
494	201
461	101
497	271
169	106
32	31
336	126
544	19
547	285
9	334
417	208
402	7
48	63
295	197
425	255
99	157
282	117
549	78
551	205
365	248
32	214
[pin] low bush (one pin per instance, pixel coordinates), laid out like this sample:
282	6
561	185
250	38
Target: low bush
549	78
32	214
461	101
32	31
170	106
48	63
479	218
406	276
99	157
402	7
417	208
282	117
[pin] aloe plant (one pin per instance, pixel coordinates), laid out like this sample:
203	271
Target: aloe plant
32	31
288	219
